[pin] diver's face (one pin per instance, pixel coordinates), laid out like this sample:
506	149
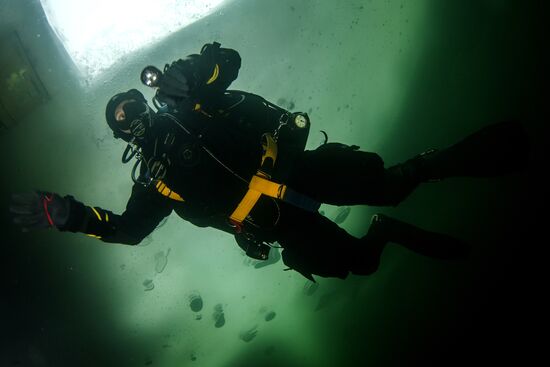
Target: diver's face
120	116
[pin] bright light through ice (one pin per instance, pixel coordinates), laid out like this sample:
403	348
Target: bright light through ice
96	33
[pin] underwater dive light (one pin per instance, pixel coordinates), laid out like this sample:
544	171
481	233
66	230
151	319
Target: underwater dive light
150	76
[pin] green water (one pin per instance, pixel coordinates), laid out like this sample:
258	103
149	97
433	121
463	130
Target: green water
395	77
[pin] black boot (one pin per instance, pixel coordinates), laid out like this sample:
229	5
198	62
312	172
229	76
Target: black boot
384	229
494	150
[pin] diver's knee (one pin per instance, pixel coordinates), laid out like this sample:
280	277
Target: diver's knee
394	187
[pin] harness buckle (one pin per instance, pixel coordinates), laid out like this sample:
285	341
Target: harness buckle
237	226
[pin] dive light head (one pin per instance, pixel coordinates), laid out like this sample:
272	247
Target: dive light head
150	76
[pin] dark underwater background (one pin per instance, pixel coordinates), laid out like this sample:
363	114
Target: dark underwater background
393	76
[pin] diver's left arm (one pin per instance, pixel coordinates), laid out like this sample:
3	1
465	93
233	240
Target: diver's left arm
199	77
218	68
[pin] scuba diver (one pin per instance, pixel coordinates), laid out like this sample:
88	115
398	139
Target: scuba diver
236	162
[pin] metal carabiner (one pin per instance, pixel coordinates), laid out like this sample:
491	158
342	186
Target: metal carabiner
283	120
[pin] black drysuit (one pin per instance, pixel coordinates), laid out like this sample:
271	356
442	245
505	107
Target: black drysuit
210	154
213	185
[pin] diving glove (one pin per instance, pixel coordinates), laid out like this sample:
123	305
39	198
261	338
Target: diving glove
39	209
179	79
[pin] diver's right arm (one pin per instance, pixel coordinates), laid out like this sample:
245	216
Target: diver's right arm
144	211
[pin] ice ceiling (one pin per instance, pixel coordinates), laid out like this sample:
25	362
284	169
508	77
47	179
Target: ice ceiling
97	33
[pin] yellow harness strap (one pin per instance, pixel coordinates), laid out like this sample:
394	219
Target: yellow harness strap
260	184
266	187
245	206
257	187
